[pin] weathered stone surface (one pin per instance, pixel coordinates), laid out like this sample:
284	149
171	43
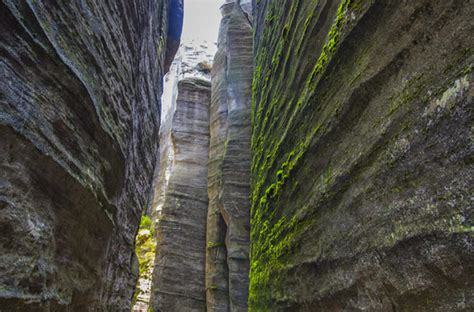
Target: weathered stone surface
245	5
362	149
194	60
178	283
80	83
184	65
228	225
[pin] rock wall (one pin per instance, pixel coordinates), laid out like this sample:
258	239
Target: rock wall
227	261
178	283
79	94
362	156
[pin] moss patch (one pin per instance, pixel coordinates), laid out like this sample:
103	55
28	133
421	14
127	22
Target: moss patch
145	247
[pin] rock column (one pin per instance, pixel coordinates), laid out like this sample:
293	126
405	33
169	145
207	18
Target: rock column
227	261
179	274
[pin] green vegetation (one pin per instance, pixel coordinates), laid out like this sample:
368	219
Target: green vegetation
211	244
274	235
306	90
145	246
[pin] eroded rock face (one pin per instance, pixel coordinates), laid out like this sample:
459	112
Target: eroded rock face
179	273
228	225
79	94
245	5
362	156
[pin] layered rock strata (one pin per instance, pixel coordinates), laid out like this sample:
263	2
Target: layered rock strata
185	65
362	167
178	283
228	218
162	175
80	94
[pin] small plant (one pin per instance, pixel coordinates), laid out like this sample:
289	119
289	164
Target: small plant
211	244
204	67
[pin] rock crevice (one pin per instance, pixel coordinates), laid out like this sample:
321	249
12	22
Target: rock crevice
220	240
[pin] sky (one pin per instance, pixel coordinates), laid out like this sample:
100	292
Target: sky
201	26
201	21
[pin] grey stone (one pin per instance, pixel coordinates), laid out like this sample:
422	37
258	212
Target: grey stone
80	86
229	165
179	274
362	156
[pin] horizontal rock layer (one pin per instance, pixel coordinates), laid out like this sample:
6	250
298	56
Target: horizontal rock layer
79	93
178	283
362	156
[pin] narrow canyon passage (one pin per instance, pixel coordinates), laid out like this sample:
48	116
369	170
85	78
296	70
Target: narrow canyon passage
236	155
202	205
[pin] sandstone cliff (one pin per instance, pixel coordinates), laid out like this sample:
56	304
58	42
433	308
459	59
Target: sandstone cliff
228	225
357	144
178	283
79	94
362	153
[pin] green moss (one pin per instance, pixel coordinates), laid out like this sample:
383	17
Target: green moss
274	235
211	244
212	287
146	223
145	247
332	42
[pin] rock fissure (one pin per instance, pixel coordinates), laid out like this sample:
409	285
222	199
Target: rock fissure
320	160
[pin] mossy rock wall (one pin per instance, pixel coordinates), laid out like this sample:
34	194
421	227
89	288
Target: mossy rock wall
362	156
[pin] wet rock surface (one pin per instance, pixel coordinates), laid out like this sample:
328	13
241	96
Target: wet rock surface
79	94
179	274
229	165
362	156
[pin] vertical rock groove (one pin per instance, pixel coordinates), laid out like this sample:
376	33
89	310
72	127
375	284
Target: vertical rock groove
229	165
179	274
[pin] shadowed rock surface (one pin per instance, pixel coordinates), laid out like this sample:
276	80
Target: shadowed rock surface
79	94
178	283
229	165
362	167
